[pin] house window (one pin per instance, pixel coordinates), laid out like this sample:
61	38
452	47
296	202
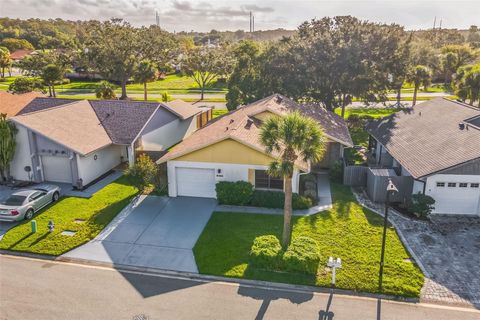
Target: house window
463	184
474	185
440	184
452	184
264	181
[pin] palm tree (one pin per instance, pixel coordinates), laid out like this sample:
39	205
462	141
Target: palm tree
291	138
419	75
105	90
7	146
146	71
467	83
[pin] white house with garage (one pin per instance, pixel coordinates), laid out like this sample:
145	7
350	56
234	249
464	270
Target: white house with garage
80	141
437	143
229	149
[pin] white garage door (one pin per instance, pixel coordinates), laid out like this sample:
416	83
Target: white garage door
196	182
56	169
456	200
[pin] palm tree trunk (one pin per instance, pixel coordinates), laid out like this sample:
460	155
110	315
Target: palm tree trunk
145	91
201	96
49	91
415	95
54	93
287	213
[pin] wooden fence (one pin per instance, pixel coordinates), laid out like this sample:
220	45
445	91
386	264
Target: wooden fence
355	176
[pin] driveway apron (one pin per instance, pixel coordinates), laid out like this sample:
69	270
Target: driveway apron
158	232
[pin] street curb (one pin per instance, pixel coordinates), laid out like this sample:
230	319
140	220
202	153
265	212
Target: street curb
266	285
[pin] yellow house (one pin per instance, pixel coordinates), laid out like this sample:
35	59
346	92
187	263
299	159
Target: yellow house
229	149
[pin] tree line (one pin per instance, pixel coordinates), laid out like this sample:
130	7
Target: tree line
332	61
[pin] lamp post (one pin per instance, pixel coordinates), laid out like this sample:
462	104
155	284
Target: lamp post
390	189
334	264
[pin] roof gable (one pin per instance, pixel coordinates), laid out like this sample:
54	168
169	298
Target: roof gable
76	128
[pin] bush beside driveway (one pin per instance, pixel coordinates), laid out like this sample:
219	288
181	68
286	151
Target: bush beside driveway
86	217
347	231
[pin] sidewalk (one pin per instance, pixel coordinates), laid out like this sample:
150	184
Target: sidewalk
324	202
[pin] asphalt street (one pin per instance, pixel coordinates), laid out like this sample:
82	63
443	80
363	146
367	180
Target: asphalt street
40	289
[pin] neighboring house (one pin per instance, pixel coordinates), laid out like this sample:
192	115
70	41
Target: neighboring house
78	141
437	144
11	104
229	149
19	54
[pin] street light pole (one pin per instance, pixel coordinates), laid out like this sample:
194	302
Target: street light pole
390	188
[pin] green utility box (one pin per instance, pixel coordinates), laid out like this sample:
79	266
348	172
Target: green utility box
34	226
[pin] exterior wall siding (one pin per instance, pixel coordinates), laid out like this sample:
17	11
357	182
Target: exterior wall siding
22	156
228	151
107	158
166	135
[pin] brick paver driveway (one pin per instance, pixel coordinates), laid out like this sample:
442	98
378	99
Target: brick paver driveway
448	251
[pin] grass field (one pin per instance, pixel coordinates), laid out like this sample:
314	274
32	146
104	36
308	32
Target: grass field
347	231
96	212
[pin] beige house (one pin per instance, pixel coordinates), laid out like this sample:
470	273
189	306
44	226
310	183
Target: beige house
229	149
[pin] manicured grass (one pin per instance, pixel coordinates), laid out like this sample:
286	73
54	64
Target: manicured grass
347	231
218	112
92	97
97	212
372	112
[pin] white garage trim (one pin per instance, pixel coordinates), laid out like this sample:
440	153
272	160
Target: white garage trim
454	199
56	169
195	182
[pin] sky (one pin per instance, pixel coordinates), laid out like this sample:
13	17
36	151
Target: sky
205	15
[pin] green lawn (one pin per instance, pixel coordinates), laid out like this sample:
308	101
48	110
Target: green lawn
218	112
347	231
97	212
372	112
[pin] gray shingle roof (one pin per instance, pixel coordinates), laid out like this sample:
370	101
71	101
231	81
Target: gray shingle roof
427	138
123	120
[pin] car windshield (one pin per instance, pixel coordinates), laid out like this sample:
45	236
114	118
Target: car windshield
14	200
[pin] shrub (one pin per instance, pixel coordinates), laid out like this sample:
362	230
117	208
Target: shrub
142	173
276	199
266	252
24	84
421	205
166	97
302	255
234	193
336	171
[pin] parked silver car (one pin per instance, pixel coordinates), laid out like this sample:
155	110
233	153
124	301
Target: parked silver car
25	203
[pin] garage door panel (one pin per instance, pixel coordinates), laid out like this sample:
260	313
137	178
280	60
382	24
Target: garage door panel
456	200
56	169
196	182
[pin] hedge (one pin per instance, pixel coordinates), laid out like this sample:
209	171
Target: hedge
266	252
276	199
234	193
302	255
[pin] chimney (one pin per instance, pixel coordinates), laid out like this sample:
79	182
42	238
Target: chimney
249	123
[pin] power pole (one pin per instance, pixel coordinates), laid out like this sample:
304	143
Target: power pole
253	23
434	22
250	21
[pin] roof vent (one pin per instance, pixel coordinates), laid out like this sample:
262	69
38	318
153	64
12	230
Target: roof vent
461	126
279	99
249	123
231	121
420	113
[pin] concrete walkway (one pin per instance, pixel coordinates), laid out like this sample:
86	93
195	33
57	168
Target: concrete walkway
324	202
152	232
68	191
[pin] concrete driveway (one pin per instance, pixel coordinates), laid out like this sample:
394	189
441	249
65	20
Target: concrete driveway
155	232
5	226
